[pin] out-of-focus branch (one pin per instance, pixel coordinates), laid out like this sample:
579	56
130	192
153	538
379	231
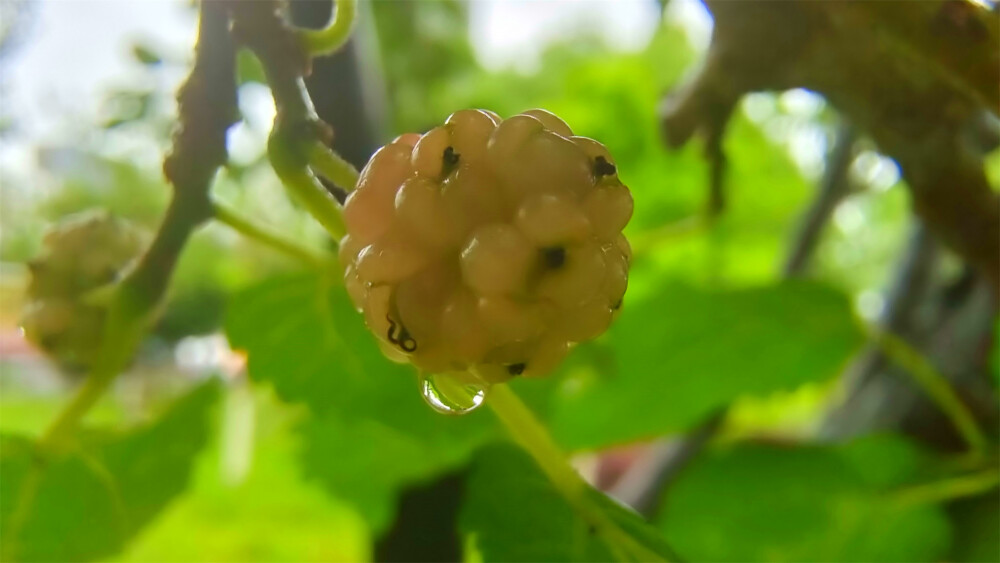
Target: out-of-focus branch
206	107
297	130
833	187
912	76
642	486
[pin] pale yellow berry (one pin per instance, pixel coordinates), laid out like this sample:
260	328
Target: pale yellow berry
420	298
435	359
420	206
462	329
509	320
551	121
505	361
603	166
546	357
470	131
369	209
616	277
429	153
348	250
377	310
392	352
576	278
407	139
486	248
496	260
545	163
473	198
584	322
548	219
509	138
493	115
394	257
624	247
356	289
609	208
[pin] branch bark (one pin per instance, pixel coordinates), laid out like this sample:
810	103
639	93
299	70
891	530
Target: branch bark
915	77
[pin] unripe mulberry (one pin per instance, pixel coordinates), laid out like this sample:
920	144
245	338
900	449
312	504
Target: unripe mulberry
81	253
488	247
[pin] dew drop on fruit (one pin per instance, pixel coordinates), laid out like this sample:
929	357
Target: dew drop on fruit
450	393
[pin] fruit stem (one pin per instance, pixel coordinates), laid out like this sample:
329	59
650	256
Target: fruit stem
301	182
933	383
224	213
319	42
534	438
331	165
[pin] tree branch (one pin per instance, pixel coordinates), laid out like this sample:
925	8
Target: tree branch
833	188
207	107
913	76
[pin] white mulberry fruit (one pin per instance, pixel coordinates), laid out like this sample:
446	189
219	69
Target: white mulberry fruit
81	253
488	248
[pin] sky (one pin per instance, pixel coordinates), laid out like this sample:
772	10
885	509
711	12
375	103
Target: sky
73	50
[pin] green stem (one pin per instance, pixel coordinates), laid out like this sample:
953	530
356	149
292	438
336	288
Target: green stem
264	235
304	186
325	41
333	166
949	489
532	435
933	383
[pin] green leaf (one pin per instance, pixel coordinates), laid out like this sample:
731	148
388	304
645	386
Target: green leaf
977	529
248	68
372	433
512	512
773	503
146	55
682	353
87	503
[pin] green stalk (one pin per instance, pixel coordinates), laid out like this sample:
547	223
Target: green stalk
298	180
319	42
227	215
532	435
333	166
933	383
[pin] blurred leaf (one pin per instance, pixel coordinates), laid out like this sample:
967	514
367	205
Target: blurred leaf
772	503
977	529
512	512
884	460
683	353
248	68
128	106
146	55
372	434
85	504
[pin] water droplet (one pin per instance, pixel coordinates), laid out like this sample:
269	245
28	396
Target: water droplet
453	393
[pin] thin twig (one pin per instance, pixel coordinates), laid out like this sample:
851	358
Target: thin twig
297	129
833	187
532	435
643	484
207	107
934	384
225	214
334	167
328	40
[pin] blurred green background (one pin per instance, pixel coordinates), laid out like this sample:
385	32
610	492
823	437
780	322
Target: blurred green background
314	457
